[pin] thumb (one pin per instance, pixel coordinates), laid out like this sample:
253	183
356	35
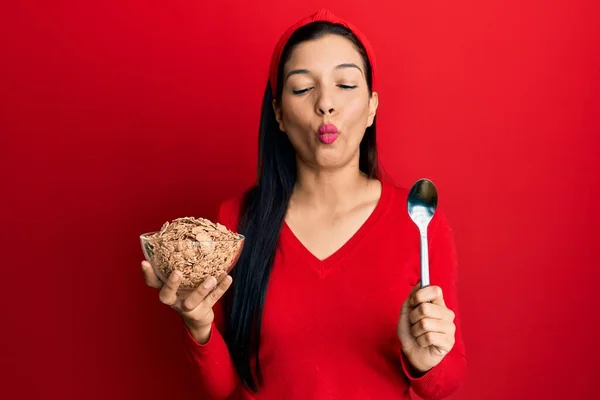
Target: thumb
407	301
151	279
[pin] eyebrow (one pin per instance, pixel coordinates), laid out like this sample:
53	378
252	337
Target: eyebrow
305	71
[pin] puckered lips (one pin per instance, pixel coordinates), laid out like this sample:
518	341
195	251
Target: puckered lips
327	133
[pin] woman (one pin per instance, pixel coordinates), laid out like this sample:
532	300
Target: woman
325	301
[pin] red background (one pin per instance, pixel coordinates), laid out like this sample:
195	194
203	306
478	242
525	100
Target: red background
119	115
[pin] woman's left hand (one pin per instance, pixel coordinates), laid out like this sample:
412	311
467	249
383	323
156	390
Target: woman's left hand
426	327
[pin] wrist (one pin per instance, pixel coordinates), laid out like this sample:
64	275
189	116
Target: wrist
201	334
415	368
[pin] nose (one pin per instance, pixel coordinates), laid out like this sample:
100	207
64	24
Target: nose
324	104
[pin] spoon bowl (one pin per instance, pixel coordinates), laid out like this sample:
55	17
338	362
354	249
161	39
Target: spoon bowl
421	203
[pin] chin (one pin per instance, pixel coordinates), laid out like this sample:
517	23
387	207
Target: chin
331	161
329	156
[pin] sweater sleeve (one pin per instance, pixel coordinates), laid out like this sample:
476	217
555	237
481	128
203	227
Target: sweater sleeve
211	363
445	378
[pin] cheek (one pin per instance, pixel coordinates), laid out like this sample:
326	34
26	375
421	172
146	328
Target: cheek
294	120
356	114
360	106
294	113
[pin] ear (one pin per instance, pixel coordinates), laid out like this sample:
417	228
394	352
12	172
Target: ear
278	116
373	104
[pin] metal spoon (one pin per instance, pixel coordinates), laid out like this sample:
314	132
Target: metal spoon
422	202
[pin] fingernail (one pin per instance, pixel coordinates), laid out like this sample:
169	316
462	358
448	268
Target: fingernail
210	282
176	276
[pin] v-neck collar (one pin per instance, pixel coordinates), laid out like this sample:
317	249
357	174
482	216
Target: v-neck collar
325	265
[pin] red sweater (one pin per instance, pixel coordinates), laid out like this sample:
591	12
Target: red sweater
324	337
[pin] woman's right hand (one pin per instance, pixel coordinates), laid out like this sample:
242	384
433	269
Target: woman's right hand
196	308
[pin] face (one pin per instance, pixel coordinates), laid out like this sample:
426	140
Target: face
325	83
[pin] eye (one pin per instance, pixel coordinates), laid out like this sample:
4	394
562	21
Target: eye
348	87
301	91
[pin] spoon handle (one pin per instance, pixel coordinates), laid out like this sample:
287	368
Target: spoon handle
424	261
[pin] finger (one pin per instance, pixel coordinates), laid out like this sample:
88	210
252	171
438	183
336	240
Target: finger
433	294
168	293
432	325
440	340
150	277
431	310
216	294
193	299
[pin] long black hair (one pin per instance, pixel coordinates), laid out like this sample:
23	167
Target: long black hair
263	211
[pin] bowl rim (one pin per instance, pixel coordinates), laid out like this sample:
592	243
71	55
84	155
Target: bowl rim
144	236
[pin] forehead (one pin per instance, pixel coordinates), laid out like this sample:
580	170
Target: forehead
325	52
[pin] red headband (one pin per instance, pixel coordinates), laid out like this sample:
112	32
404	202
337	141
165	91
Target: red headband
321	15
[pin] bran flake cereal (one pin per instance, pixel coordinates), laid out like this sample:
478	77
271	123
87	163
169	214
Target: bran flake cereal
197	247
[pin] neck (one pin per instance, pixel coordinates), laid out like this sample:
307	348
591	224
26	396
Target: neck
330	189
